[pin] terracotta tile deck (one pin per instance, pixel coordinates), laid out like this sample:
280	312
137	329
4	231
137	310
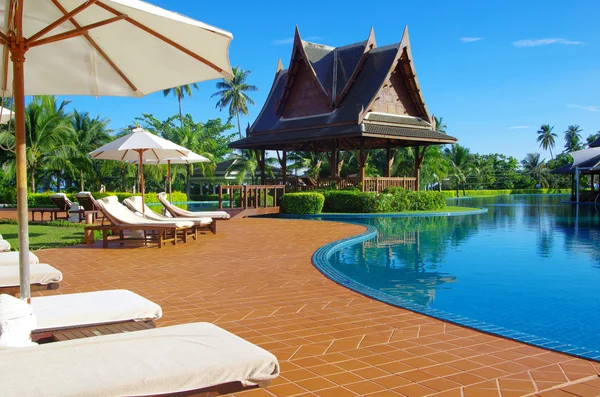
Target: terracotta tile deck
255	279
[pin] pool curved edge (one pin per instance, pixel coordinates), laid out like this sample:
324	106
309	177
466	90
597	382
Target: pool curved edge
381	215
320	260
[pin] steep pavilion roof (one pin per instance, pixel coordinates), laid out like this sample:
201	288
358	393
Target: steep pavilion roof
343	94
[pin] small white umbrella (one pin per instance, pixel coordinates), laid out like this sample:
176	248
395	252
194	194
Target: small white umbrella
189	159
96	47
140	146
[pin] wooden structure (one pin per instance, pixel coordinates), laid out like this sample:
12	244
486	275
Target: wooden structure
357	97
250	200
588	164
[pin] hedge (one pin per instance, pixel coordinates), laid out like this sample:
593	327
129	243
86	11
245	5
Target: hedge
302	203
349	201
42	200
391	200
208	197
500	192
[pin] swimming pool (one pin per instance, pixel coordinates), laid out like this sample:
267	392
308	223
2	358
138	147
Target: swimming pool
529	269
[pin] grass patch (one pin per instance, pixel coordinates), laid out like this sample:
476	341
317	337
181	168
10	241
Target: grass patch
44	235
449	208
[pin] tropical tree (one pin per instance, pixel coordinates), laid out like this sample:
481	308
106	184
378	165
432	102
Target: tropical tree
180	93
546	138
591	138
573	138
308	160
439	124
88	135
459	159
232	93
535	168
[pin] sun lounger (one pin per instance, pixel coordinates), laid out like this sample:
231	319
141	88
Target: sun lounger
88	203
42	277
122	219
63	204
177	212
90	309
134	203
12	258
186	359
4	245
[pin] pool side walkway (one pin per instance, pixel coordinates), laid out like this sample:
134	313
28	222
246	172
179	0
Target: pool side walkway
255	279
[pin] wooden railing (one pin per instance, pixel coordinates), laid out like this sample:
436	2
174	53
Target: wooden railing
379	184
251	196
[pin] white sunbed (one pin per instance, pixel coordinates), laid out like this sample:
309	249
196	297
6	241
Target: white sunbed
122	218
92	308
134	203
177	212
42	277
4	245
177	359
12	258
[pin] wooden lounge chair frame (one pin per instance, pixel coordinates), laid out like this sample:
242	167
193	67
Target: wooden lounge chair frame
160	235
88	203
90	330
14	290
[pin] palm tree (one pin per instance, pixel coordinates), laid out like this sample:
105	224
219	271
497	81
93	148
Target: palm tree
536	168
439	125
233	94
459	159
88	134
573	138
180	93
546	138
246	163
591	138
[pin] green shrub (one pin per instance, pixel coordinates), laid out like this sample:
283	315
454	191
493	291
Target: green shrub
541	191
500	192
349	201
302	203
398	200
42	200
208	197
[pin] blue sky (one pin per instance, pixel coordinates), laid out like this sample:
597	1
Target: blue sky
494	70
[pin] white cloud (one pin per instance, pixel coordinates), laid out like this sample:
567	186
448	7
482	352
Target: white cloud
519	127
589	108
538	42
470	39
290	40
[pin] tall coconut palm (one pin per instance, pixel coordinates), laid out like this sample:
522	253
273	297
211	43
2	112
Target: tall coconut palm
232	93
535	167
439	125
573	138
88	134
459	159
546	138
180	93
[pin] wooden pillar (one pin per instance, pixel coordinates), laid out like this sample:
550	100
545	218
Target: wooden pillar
389	160
361	163
284	167
332	160
262	166
418	162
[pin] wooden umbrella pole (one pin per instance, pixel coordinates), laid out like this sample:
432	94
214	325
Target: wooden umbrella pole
17	50
142	187
169	176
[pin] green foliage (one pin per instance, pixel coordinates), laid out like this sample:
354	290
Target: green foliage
500	192
302	203
232	94
46	235
42	200
208	197
349	201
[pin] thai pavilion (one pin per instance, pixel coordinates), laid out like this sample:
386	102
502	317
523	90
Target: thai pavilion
357	97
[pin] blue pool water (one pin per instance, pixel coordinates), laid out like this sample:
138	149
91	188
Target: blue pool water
530	264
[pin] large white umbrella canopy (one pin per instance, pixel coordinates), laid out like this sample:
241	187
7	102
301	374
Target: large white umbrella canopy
140	146
188	159
97	47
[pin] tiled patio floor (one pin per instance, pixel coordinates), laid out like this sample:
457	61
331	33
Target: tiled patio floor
255	279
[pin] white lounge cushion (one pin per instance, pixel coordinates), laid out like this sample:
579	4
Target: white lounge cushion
125	217
162	197
12	258
40	273
89	308
156	361
58	195
83	194
4	246
136	205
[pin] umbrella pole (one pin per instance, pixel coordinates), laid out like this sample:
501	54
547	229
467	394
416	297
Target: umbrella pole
169	175
142	188
18	59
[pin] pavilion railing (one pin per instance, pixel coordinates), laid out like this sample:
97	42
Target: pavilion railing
379	184
250	196
371	184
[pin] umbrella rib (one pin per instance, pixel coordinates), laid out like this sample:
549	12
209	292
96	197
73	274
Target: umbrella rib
161	37
125	154
75	32
97	48
155	155
6	53
61	20
4	38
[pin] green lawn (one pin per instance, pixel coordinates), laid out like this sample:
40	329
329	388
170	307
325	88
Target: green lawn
448	208
41	236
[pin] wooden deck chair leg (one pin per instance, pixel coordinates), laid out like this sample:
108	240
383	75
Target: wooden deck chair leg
213	226
159	236
121	237
104	238
175	236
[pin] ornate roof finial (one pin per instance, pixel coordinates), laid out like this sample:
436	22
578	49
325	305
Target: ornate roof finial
279	66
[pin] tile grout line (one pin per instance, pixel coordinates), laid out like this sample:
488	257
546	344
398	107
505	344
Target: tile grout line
559	386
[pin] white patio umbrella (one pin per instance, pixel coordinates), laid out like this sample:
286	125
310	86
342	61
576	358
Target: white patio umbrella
140	146
97	47
189	159
5	115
